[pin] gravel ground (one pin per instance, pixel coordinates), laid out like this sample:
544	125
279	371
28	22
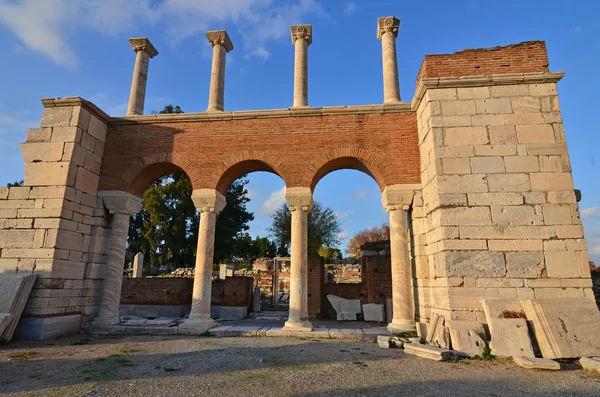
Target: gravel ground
84	365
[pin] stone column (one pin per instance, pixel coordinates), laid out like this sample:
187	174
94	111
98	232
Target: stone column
301	38
387	31
144	50
396	200
221	44
138	265
121	206
209	203
300	201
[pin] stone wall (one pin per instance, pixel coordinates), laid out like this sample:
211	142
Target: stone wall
316	271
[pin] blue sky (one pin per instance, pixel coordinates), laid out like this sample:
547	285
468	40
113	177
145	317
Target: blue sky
56	48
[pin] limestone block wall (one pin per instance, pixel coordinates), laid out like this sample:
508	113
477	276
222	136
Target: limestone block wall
502	219
54	224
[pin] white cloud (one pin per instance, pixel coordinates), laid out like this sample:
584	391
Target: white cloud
590	212
345	214
44	26
361	194
342	235
275	200
350	8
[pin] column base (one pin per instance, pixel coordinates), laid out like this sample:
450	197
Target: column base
201	322
397	326
106	321
298	326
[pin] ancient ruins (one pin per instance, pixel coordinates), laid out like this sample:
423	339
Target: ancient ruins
474	172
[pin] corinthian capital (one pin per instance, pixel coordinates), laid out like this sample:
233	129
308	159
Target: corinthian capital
387	25
299	198
301	32
219	37
143	44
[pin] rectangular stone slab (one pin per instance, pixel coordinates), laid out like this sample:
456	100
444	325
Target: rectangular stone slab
510	337
374	312
25	282
590	363
566	327
5	319
466	337
502	308
536	363
429	352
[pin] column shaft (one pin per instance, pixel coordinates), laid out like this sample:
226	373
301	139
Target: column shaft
137	94
201	296
301	73
402	295
113	279
217	79
391	89
298	314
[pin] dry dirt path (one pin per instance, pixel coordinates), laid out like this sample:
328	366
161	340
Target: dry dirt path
148	366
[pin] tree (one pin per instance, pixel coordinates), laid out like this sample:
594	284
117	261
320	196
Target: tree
330	253
323	228
368	235
265	247
15	183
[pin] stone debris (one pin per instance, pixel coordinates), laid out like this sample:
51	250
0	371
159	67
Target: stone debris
396	342
374	312
438	334
383	341
346	309
590	363
565	327
181	272
14	292
160	321
433	324
510	337
502	308
536	363
466	337
346	316
429	352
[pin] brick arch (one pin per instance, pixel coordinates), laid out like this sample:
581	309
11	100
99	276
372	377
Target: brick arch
147	169
244	162
348	158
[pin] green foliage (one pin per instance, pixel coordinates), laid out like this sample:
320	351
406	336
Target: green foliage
486	354
265	247
15	183
323	228
407	334
330	253
168	109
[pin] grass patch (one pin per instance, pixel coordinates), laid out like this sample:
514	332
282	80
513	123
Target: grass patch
81	342
486	354
130	350
169	369
23	355
407	334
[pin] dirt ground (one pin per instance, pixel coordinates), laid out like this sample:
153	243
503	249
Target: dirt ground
84	365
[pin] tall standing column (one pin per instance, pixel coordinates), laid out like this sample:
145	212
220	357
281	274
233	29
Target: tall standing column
387	31
121	205
144	50
299	200
396	200
209	203
301	38
221	44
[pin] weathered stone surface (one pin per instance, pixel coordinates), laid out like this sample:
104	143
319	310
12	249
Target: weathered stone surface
495	198
37	152
565	328
509	232
346	316
562	264
463	216
16	239
525	264
502	135
429	352
456	165
56	116
39	135
46	174
14	293
374	312
509	182
590	363
383	341
467	337
502	308
473	264
551	181
516	215
521	164
536	363
475	183
460	136
487	165
510	337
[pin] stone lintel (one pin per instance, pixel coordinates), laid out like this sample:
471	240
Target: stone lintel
398	197
219	37
76	101
387	24
208	200
301	32
482	81
299	197
143	44
119	202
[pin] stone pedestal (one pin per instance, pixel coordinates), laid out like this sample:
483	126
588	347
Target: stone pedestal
387	31
301	38
121	206
144	50
300	201
209	203
138	265
219	40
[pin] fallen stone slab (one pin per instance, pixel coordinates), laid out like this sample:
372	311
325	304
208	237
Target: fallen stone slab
344	305
5	319
502	308
590	363
466	336
510	337
536	363
14	293
429	352
346	316
374	312
383	341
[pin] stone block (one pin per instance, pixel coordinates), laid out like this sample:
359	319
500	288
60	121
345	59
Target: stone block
87	181
429	352
525	104
38	135
470	264
66	134
541	133
510	337
495	150
374	312
452	108
487	119
475	183
509	90
466	337
536	363
74	152
515	215
97	128
542	89
502	135
508	182
521	164
493	105
487	165
495	199
92	162
440	94
383	341
461	136
19	193
569	231
56	116
546	149
88	141
41	152
457	165
524	264
46	174
524	119
502	232
346	316
473	92
551	164
515	245
233	312
562	264
551	181
590	363
462	216
557	215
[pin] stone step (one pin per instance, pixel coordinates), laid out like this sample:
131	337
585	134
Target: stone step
430	352
536	363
